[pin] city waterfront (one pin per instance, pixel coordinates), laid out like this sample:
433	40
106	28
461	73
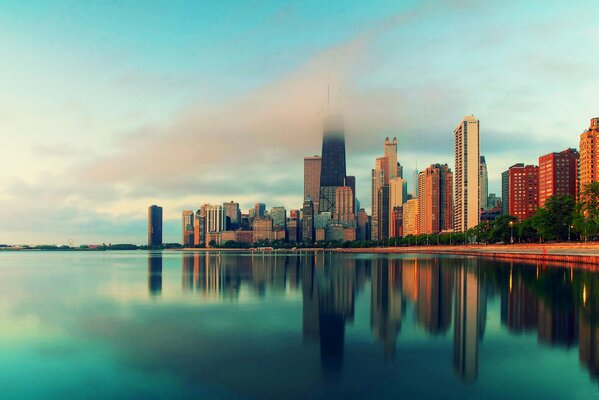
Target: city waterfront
298	325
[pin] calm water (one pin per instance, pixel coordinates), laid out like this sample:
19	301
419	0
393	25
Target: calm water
174	325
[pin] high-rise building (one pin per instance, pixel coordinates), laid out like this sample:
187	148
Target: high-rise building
505	191
312	166
391	155
415	183
350	181
344	207
332	172
279	217
435	199
214	218
154	226
524	190
397	196
233	213
363	225
589	153
410	217
377	181
187	228
467	161
558	175
199	228
484	183
262	229
493	201
383	215
308	221
293	226
259	210
396	222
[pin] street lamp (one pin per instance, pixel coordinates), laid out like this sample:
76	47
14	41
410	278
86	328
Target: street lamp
569	230
512	232
586	215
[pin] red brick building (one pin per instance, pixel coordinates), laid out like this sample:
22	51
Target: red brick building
558	175
524	190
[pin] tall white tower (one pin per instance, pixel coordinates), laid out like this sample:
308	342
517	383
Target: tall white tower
467	176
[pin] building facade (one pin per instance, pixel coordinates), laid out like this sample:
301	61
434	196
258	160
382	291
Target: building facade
154	225
262	229
484	184
435	199
589	151
466	174
410	217
344	206
524	191
214	218
383	215
188	228
312	166
308	221
232	213
558	175
279	217
397	196
332	172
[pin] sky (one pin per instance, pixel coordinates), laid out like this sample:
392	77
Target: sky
107	107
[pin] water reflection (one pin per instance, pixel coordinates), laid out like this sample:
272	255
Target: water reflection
448	297
155	273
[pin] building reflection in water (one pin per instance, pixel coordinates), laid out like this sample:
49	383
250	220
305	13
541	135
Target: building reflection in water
468	322
155	273
386	304
555	304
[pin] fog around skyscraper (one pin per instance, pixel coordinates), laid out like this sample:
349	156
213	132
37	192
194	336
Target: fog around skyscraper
199	103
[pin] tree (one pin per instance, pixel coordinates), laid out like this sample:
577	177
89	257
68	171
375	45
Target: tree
552	220
501	229
586	219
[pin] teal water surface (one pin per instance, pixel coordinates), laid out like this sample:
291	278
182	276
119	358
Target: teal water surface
298	325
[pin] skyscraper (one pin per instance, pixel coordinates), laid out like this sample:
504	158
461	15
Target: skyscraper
215	218
410	217
397	196
384	215
154	225
524	190
260	210
279	217
589	152
505	192
484	183
308	221
377	181
187	228
558	175
332	172
467	185
435	199
233	213
312	166
391	154
344	207
199	228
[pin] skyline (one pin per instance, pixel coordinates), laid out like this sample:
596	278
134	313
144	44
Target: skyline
155	123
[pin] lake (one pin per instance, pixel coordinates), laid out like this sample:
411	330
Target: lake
238	325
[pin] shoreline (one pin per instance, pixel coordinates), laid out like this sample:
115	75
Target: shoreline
566	253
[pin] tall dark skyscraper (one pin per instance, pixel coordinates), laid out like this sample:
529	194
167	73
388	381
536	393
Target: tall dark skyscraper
332	172
308	221
154	226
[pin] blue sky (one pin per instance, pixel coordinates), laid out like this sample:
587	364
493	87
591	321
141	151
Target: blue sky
107	107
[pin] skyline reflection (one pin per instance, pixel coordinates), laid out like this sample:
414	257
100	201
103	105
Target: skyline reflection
448	297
